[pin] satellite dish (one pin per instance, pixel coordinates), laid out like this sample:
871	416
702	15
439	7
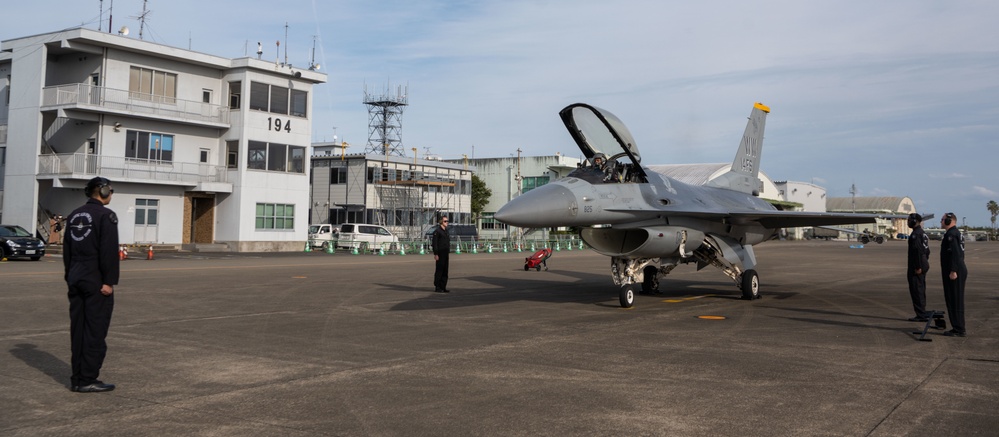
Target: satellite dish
123	31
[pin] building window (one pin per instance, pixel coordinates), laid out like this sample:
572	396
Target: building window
338	175
275	216
152	85
299	100
206	96
257	155
148	145
8	90
259	95
235	91
531	182
275	157
205	153
488	222
278	99
232	154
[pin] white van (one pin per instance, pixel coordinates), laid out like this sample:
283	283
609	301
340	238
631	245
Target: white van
322	235
360	235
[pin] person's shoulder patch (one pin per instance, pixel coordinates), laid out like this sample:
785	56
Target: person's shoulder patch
113	218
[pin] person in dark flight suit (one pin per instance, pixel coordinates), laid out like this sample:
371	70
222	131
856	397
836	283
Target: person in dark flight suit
919	264
954	273
90	258
440	243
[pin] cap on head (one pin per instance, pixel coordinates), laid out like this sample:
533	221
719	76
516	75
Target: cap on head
99	184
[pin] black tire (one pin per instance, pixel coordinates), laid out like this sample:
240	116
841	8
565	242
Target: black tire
538	267
650	282
750	285
880	240
627	296
526	267
326	245
865	240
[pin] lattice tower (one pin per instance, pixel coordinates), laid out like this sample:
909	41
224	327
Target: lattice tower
385	121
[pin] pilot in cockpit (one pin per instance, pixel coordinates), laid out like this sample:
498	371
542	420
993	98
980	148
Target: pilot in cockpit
598	161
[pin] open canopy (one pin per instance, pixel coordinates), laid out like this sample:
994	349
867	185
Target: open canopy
598	131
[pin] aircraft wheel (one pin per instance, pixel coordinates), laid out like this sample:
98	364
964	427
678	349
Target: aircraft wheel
750	285
880	240
627	296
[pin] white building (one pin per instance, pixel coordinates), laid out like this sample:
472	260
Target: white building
199	148
811	197
406	195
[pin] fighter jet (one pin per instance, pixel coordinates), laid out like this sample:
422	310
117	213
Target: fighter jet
649	223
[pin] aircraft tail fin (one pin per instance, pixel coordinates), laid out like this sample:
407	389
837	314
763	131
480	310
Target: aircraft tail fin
744	175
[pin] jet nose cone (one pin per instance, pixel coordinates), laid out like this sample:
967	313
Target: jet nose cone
545	206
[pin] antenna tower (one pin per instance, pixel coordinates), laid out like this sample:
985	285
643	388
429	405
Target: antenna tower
385	121
142	18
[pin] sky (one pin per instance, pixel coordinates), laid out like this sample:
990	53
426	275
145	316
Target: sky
896	98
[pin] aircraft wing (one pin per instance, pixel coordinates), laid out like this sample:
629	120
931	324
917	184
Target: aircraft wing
795	219
775	219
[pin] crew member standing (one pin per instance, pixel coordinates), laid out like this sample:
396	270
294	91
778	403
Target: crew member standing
954	273
440	243
90	256
919	264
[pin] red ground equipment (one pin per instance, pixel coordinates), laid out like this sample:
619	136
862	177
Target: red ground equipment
537	260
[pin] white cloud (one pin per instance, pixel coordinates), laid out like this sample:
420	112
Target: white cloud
984	191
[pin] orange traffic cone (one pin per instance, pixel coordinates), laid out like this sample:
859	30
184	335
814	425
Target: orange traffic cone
124	252
149	253
121	253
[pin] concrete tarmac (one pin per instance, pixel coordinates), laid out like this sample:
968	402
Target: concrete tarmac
309	344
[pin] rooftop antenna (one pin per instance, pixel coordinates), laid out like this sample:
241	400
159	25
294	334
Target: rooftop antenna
285	43
110	16
142	18
100	18
312	64
260	49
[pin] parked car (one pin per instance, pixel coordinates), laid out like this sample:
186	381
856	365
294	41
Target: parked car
15	242
323	235
358	234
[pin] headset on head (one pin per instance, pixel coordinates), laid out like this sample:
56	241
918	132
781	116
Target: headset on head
914	219
949	218
102	185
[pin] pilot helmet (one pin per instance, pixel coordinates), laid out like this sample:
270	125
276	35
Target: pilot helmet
601	157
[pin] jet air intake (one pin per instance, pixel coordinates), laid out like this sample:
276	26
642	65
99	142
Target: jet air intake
648	242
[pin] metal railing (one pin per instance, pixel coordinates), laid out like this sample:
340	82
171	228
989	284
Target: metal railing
129	168
85	95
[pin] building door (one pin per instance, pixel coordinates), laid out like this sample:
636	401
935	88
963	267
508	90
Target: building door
147	220
202	220
95	90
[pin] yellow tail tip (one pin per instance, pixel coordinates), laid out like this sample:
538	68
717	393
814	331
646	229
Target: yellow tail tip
762	107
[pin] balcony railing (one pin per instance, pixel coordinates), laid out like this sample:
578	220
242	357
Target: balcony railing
96	97
129	169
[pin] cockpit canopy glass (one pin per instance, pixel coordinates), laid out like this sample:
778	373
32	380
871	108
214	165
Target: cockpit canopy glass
598	131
